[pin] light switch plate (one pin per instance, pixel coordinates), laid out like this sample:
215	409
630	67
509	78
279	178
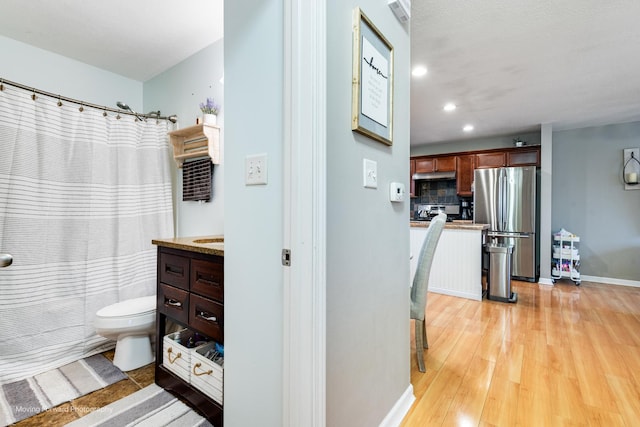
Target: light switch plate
255	170
369	173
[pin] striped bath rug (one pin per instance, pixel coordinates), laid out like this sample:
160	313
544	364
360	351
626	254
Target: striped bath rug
152	407
28	397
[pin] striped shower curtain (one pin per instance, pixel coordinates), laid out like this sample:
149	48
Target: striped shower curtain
82	193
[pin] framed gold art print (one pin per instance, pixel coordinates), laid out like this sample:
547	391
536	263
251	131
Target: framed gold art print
372	84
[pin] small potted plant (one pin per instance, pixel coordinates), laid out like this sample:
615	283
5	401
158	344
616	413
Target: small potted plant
209	111
519	142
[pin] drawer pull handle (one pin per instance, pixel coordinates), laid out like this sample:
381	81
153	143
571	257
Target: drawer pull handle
172	302
202	279
204	315
177	356
197	365
174	269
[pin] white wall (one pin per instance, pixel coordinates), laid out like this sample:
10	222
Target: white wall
589	198
367	236
253	62
48	71
180	90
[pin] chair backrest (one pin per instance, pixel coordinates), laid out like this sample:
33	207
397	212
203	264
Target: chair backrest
421	278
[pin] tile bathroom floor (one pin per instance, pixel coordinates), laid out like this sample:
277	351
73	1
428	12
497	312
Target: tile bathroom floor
70	411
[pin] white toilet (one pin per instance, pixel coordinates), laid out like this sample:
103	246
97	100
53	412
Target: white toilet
131	323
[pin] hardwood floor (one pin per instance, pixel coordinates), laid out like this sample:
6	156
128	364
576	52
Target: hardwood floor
562	355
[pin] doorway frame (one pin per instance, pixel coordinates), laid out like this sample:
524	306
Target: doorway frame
304	181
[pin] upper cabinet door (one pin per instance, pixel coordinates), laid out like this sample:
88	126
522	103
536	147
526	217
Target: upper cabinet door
445	164
490	160
464	175
425	165
524	157
412	183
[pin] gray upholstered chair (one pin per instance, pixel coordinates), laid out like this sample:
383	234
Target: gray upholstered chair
421	284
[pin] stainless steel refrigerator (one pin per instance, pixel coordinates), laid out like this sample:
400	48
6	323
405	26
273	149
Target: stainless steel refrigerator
505	198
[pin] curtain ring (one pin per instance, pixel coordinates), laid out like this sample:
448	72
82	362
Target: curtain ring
81	109
59	101
118	116
104	112
1	85
33	96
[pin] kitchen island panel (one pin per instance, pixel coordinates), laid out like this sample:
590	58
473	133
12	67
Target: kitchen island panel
457	264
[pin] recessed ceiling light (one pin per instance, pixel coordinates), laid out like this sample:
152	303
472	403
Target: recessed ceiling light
449	106
419	71
467	128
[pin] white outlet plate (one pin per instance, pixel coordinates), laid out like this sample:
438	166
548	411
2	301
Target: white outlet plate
255	169
369	173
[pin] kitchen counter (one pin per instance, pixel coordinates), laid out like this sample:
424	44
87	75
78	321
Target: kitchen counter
210	245
455	225
457	263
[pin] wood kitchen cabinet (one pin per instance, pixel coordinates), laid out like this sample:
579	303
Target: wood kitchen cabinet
464	164
529	156
436	164
190	293
524	157
491	160
412	183
446	164
425	165
464	174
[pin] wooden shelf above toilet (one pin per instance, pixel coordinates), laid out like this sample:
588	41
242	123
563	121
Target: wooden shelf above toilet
196	141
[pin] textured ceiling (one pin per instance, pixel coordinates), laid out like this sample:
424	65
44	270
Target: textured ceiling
508	65
513	65
134	38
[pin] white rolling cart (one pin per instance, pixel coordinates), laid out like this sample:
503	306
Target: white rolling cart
565	262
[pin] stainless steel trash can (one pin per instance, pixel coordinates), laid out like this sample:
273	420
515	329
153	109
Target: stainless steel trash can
499	284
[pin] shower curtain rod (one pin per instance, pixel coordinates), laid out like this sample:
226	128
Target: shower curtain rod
60	98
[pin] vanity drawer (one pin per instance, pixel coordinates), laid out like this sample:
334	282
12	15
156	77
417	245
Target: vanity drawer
207	278
174	302
207	316
174	270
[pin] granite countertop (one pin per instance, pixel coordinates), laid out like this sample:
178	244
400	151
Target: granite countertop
455	225
210	245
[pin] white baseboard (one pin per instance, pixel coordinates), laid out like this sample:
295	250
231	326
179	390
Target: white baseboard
610	281
544	281
477	296
400	409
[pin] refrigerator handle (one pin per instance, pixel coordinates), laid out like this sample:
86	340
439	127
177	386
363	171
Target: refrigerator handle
499	198
513	235
503	197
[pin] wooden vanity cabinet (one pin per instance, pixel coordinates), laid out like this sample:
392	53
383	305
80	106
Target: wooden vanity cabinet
191	293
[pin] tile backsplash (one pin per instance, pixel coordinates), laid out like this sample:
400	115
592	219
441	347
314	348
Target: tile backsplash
436	192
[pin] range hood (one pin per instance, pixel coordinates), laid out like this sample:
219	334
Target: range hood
432	176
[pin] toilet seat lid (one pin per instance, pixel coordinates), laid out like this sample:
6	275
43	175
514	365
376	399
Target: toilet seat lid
129	307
